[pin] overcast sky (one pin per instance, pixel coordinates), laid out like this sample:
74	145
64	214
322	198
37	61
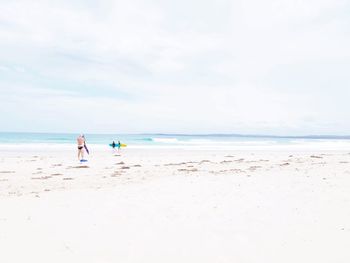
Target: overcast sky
184	66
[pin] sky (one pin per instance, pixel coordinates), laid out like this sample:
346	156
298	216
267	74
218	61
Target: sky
158	66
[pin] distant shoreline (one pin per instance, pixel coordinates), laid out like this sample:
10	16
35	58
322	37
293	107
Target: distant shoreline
233	135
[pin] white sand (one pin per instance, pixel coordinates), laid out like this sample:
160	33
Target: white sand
175	206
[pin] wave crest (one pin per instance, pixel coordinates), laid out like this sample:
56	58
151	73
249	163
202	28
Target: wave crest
165	140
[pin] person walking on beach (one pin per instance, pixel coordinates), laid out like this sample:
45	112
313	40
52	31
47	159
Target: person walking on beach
119	145
85	147
81	144
113	144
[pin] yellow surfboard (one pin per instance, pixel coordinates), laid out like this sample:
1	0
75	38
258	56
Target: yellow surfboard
116	145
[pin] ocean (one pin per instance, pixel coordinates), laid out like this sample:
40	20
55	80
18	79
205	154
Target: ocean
190	141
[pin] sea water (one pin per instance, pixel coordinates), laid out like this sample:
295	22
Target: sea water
183	141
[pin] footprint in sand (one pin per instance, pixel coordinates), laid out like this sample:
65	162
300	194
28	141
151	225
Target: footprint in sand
41	178
56	174
228	171
284	164
237	171
253	168
188	170
115	174
13	193
226	161
78	167
321	163
171	164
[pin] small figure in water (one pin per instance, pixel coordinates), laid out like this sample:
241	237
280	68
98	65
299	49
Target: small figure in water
113	145
119	145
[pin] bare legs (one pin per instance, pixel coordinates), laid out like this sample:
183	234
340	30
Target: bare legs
80	154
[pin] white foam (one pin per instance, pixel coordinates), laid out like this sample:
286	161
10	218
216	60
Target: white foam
165	140
173	143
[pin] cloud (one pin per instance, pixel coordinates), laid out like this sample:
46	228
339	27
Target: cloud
276	67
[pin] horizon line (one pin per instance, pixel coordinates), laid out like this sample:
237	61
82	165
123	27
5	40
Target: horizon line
310	136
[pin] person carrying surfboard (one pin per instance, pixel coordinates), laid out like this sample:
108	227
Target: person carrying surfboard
81	144
117	145
85	147
82	148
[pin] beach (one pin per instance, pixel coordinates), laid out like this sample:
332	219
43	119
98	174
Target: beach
173	205
213	131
